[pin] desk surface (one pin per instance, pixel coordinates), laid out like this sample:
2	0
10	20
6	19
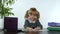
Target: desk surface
41	32
44	31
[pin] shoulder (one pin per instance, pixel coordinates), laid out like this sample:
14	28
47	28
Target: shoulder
26	20
37	20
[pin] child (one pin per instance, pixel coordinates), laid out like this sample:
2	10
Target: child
32	20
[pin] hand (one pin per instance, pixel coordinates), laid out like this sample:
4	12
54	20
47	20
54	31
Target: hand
37	29
29	29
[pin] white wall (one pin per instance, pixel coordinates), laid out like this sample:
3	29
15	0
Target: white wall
49	10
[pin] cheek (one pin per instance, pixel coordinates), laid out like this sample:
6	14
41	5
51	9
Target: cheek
35	18
29	15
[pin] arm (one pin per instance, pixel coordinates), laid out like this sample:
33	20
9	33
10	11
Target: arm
39	26
26	26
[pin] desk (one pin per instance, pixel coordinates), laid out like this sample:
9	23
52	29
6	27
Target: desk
44	31
41	32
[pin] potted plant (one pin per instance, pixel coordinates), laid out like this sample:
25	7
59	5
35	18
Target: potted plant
5	10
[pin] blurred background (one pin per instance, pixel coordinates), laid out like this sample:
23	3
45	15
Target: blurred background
49	11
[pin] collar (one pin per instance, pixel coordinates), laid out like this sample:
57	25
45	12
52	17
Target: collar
31	21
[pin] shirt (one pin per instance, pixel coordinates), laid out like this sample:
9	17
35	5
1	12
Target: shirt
32	25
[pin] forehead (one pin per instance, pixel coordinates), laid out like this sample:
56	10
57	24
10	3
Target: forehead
32	12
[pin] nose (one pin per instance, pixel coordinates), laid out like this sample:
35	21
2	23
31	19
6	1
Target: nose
32	16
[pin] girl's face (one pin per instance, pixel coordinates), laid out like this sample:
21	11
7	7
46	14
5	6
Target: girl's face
32	16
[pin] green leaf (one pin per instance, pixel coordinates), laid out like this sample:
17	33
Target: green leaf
5	10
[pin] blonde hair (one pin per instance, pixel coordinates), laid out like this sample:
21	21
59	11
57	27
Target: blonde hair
31	11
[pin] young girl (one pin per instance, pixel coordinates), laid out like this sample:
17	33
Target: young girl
32	20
